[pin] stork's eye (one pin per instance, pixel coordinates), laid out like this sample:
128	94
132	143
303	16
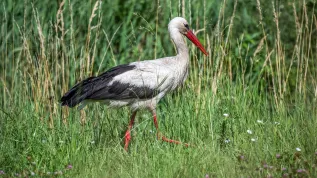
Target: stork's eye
187	26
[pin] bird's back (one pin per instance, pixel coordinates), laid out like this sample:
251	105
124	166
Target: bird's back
127	84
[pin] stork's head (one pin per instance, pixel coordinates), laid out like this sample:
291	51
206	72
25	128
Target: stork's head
180	25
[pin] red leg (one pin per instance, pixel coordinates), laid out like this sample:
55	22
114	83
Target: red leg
160	136
128	132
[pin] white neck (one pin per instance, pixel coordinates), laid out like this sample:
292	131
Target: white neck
182	50
182	57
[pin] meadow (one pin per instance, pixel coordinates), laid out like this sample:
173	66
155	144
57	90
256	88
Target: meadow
247	110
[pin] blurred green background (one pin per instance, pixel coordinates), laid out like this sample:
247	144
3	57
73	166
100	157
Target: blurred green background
137	30
260	75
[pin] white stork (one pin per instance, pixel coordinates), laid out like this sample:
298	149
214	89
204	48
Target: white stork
139	85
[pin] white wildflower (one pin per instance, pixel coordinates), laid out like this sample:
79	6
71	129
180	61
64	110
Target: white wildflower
259	121
253	139
249	131
227	140
298	149
226	115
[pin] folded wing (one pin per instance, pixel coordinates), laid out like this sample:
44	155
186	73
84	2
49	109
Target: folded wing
130	81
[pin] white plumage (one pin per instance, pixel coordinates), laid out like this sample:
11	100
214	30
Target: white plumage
139	84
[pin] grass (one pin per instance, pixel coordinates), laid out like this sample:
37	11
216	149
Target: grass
248	109
95	150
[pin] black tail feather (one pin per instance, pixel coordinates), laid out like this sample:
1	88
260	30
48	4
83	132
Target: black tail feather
84	89
78	93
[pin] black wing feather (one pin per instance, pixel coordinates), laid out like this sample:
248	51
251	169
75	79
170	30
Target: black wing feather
121	91
91	85
98	88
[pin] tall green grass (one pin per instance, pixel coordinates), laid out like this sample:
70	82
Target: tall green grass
248	109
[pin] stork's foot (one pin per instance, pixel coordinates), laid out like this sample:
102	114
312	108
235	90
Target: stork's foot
127	139
163	138
127	136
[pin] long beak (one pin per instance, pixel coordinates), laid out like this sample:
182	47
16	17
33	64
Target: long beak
190	35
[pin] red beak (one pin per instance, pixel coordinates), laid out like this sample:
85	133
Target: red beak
190	35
